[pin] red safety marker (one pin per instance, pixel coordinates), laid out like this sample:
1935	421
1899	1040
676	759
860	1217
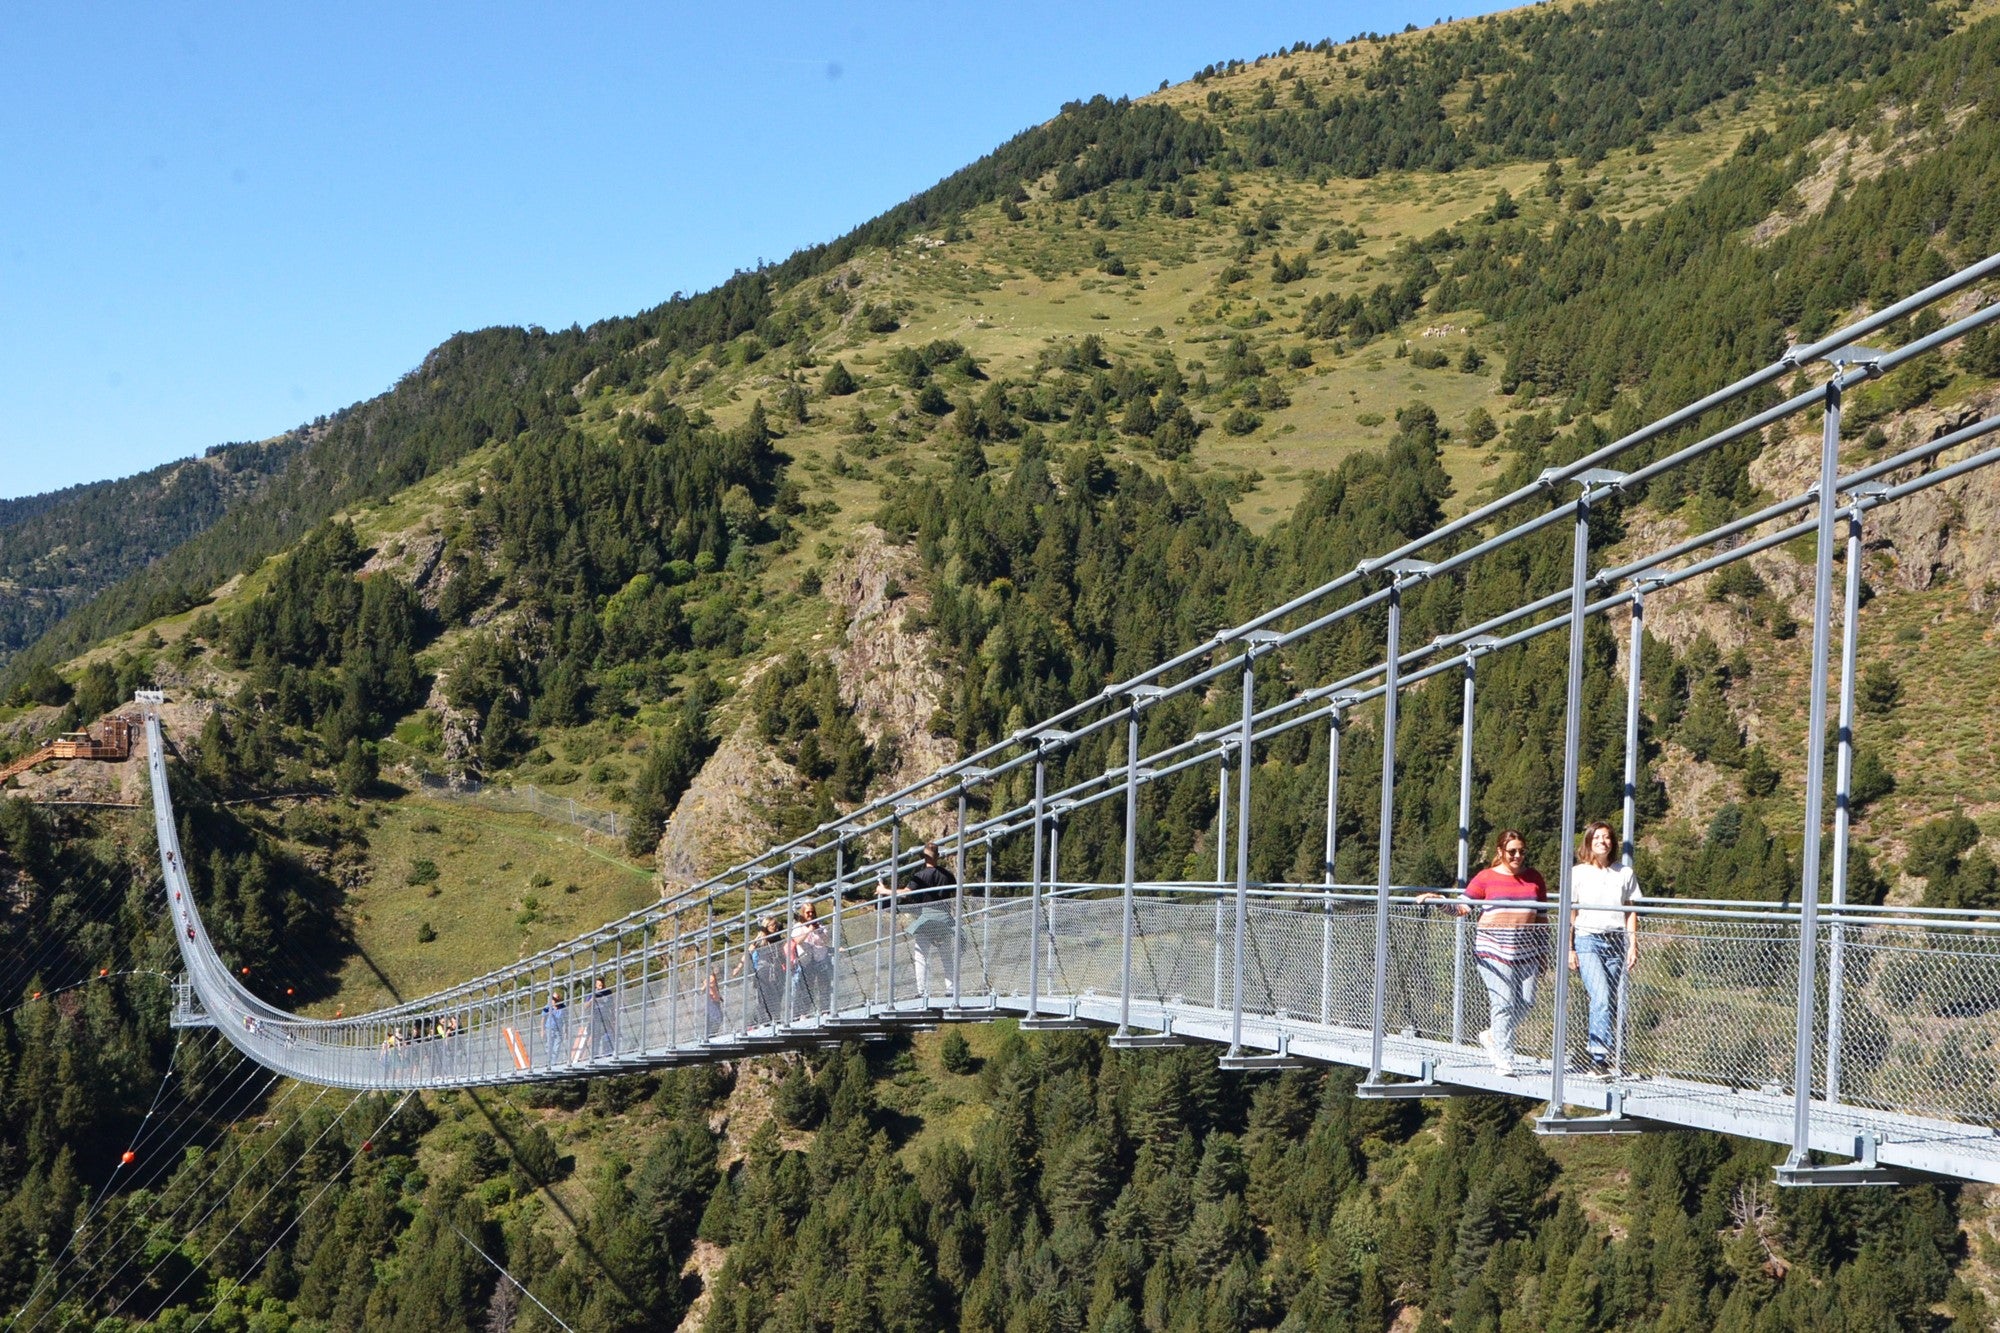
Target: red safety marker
129	1158
368	1145
288	990
246	971
103	971
36	996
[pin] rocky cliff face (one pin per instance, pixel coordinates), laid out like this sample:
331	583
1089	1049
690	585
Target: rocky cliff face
888	673
889	670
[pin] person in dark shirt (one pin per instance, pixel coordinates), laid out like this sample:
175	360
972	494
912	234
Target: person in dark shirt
930	891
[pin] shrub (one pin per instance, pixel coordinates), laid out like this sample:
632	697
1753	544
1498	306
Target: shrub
1241	422
955	1054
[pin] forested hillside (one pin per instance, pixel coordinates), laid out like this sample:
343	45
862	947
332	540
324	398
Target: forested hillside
1141	372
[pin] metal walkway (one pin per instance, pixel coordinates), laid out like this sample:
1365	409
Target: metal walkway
1863	1033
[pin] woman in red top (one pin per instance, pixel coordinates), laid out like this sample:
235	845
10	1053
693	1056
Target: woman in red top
1511	943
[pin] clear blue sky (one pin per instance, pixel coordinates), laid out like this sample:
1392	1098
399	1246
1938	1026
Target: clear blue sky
218	221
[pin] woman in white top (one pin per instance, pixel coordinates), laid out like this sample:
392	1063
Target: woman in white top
1604	935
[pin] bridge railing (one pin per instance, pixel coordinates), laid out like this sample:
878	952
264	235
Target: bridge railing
1365	944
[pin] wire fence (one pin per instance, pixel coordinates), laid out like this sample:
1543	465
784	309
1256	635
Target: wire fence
526	798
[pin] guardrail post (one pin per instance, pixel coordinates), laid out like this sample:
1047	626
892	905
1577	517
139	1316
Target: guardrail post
1403	571
1593	483
986	924
1843	793
1809	850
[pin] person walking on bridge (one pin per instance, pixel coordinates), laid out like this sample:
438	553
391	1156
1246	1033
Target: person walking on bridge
554	1021
811	959
603	1017
1604	938
929	928
1511	942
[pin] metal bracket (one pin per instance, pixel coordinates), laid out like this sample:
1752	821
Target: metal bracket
1863	1170
1854	354
1410	571
1260	641
1237	1062
1865	495
1141	695
1613	1121
1425	1086
1475	647
1050	739
1147	1041
969	776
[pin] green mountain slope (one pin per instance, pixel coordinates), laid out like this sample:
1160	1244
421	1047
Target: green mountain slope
1137	374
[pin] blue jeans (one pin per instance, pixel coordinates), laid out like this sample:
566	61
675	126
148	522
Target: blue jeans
1600	959
1510	995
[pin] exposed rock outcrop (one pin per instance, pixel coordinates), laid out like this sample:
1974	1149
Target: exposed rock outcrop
888	673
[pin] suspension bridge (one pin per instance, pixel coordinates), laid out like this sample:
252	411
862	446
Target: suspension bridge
1865	1038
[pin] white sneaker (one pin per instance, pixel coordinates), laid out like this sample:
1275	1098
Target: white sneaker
1502	1065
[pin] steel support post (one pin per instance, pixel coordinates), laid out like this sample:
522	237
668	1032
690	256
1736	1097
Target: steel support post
839	893
986	921
958	902
1633	665
1133	704
1035	884
749	925
1335	725
791	904
674	987
1249	679
1225	757
1809	850
1594	483
1461	924
1403	571
1222	817
895	891
1843	797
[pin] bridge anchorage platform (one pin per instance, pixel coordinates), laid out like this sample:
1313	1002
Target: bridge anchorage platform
188	1012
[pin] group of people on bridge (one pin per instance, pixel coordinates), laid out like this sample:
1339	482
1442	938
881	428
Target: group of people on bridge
1513	947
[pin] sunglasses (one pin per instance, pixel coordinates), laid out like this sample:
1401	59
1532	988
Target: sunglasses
1511	852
